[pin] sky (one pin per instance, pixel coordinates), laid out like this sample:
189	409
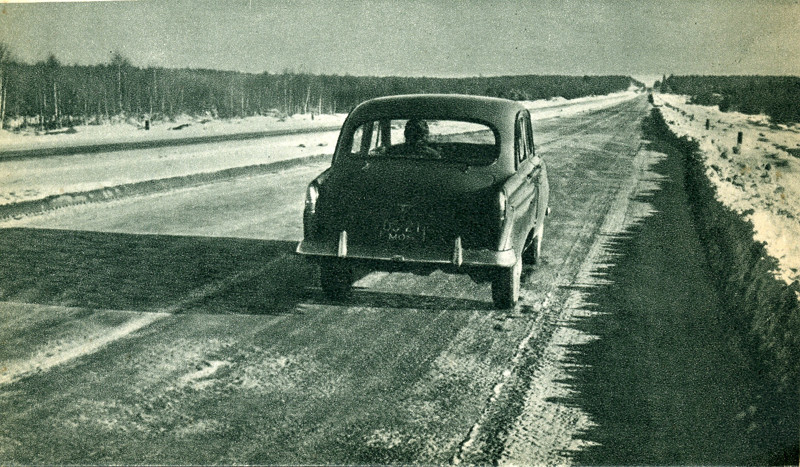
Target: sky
641	38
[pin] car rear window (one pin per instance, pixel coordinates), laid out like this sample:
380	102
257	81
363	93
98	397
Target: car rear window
448	140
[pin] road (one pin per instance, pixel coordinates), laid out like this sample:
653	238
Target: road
179	327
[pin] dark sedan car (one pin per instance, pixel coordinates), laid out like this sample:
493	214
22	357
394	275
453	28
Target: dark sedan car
425	182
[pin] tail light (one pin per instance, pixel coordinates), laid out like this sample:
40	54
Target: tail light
312	194
502	203
503	226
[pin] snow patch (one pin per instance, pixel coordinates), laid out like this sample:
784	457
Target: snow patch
387	439
204	370
58	352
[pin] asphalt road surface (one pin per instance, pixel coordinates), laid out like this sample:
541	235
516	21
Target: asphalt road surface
179	327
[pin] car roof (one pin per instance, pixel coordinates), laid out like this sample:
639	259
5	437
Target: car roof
498	113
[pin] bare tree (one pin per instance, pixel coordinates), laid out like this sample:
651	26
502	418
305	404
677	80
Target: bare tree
52	66
5	57
121	64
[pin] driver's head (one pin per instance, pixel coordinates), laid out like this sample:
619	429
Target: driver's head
416	130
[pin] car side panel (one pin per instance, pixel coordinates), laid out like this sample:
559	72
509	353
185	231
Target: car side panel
521	189
524	202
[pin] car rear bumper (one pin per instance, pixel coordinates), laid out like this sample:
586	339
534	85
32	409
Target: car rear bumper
454	256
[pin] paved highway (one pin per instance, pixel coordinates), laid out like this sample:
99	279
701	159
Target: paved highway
179	327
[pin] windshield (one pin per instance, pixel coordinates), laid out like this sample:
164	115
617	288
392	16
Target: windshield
448	140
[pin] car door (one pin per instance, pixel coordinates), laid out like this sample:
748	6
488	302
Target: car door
540	185
528	167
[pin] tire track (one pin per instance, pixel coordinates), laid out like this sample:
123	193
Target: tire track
51	355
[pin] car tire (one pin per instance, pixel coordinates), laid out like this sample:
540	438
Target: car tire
335	278
506	285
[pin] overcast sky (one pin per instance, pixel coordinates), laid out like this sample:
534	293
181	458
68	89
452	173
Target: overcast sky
417	38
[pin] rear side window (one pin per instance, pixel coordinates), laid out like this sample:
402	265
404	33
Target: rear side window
447	140
523	144
529	139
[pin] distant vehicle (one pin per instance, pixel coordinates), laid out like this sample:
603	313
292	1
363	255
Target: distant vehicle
426	182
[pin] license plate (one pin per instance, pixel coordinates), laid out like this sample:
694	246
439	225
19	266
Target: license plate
402	231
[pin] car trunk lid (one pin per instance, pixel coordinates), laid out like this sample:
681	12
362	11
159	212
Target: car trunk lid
411	203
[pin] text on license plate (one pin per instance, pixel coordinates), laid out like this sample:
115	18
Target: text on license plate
403	231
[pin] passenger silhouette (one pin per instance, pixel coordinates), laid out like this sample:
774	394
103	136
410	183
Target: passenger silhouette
416	144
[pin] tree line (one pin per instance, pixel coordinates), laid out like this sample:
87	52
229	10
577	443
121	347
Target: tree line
50	94
775	96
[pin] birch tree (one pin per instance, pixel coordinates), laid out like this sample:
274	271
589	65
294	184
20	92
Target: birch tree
5	57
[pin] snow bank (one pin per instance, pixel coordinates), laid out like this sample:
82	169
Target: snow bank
26	179
759	178
12	212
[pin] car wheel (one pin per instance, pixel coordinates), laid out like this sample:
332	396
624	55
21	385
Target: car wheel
336	278
505	286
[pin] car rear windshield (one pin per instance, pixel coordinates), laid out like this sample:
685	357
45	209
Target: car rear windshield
447	140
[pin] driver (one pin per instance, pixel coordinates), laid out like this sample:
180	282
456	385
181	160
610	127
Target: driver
416	144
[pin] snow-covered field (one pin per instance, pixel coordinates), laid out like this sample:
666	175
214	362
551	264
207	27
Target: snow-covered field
759	179
32	179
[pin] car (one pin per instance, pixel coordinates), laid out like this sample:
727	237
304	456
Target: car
424	182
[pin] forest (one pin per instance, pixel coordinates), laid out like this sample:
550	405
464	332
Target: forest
49	94
775	96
